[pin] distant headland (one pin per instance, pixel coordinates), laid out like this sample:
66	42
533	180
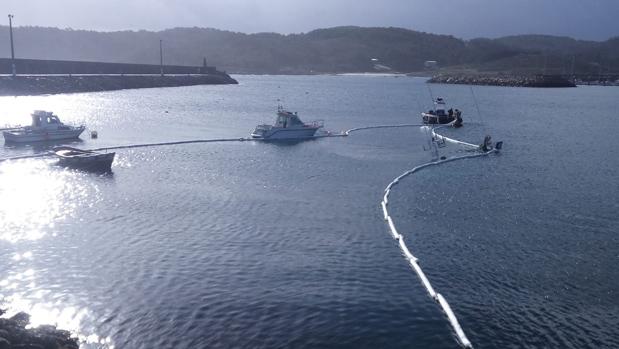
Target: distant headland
328	51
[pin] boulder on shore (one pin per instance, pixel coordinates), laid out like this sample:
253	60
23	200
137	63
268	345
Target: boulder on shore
504	80
14	335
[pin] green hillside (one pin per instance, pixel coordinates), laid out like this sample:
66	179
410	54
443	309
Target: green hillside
332	50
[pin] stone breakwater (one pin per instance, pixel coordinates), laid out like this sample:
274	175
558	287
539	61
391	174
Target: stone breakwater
53	84
13	335
504	80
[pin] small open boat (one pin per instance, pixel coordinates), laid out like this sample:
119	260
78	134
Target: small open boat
86	160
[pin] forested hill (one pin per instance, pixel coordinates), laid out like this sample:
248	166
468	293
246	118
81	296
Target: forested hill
333	50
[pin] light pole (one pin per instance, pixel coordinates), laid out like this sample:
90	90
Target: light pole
161	55
12	49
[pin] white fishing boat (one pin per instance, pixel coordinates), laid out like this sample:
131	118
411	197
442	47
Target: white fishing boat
287	125
45	127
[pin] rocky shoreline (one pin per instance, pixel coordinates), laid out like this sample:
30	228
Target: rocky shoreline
53	84
503	80
14	335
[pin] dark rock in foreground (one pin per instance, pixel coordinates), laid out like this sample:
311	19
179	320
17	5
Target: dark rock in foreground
504	80
13	335
50	84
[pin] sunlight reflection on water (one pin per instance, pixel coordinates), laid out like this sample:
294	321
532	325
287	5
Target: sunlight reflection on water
34	197
16	110
60	313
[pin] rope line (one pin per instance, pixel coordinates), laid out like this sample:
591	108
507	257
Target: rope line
214	140
49	153
145	145
348	132
481	120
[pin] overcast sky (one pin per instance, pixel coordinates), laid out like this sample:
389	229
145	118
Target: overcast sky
583	19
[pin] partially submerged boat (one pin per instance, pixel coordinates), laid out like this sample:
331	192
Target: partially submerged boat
86	160
46	126
287	125
440	114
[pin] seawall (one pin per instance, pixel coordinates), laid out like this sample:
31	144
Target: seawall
53	84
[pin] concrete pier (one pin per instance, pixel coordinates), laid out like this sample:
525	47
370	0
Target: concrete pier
53	84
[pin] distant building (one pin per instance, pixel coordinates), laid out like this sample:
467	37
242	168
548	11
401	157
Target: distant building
431	65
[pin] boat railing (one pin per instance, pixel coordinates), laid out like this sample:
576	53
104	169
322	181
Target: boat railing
10	128
263	127
316	123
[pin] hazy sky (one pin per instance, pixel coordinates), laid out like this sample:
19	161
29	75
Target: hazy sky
585	19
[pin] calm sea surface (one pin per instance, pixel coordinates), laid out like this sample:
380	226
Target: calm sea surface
258	245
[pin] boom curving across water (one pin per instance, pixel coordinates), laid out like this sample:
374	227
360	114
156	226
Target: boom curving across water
413	261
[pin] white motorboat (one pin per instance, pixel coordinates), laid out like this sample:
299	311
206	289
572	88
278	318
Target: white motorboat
45	127
287	126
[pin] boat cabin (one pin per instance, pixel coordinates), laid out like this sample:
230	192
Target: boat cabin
287	119
45	119
439	107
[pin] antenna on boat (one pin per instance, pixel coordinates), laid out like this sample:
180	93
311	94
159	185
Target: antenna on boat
431	97
487	145
419	106
432	144
481	121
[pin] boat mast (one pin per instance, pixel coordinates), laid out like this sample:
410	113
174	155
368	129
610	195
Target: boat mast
433	143
432	97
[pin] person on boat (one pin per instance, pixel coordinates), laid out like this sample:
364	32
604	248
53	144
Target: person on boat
487	145
450	112
458	122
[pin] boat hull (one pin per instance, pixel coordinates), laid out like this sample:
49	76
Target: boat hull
97	163
285	133
21	136
432	119
84	159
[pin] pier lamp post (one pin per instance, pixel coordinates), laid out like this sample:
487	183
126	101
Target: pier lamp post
12	49
161	56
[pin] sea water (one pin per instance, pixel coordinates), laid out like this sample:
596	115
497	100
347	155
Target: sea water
283	245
